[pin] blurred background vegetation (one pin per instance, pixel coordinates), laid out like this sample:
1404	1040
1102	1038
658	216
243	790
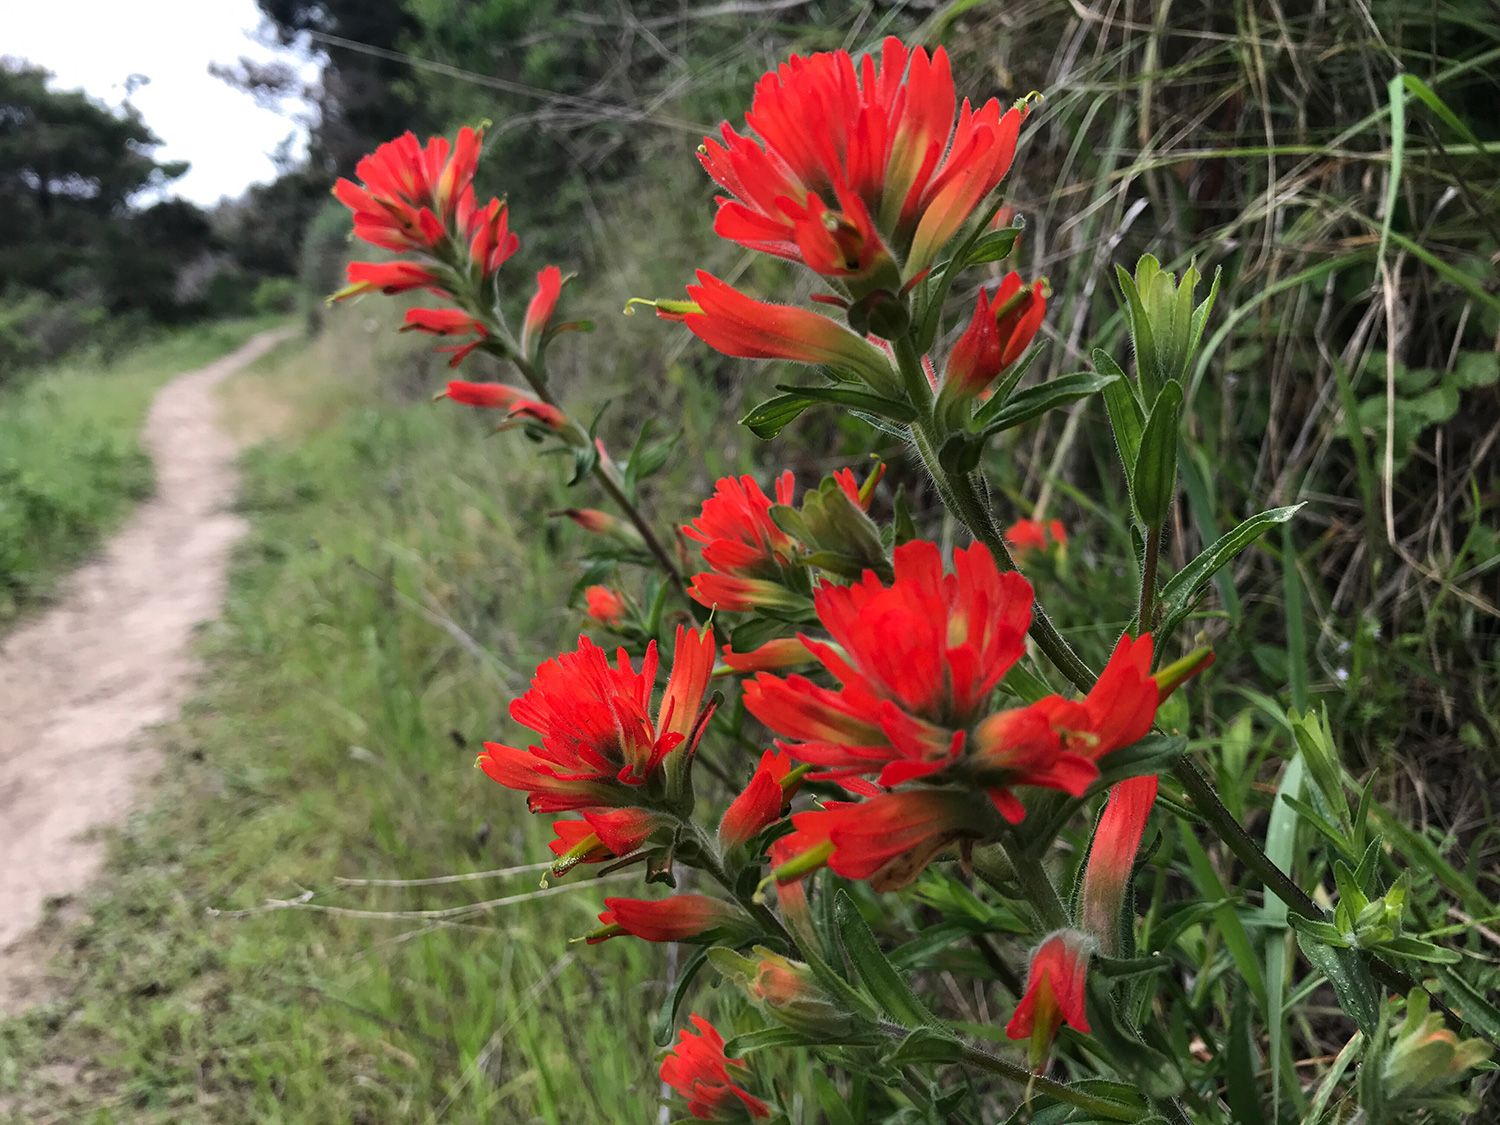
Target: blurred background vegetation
395	593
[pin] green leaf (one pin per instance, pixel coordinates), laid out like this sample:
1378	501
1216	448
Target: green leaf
960	454
1330	1081
1313	817
882	407
1419	950
925	1045
874	970
1153	754
1178	595
992	247
661	1031
1325	932
1154	478
1033	402
1350	978
766	1039
1476	369
772	416
1126	418
1470	1003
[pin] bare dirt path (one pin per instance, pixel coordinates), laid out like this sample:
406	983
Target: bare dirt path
80	684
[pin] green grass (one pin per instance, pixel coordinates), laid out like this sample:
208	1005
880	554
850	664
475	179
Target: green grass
336	739
71	461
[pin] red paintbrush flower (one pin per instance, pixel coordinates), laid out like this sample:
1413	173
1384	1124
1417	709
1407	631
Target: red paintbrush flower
740	595
887	839
386	277
873	143
441	322
604	605
409	197
602	835
741	326
518	405
1057	742
736	531
762	803
1054	993
1001	329
600	743
665	919
1112	855
916	662
782	652
698	1069
487	234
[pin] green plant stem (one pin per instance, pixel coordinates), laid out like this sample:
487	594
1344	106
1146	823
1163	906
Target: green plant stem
1038	887
976	1056
1207	804
1148	579
762	913
610	486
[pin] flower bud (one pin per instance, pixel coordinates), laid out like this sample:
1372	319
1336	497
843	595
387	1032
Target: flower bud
1054	993
1427	1056
605	605
1111	857
785	989
1164	326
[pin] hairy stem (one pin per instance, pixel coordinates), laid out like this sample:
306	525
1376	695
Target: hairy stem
1148	579
610	486
976	1056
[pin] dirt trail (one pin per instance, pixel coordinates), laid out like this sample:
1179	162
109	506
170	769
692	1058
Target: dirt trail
81	683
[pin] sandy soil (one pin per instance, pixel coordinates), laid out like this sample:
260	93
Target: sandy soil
80	684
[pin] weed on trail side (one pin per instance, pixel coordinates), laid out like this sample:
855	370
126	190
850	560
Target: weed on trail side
71	460
392	596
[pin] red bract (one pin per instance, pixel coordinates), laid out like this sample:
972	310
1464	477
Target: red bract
737	532
741	326
539	311
882	134
447	322
698	1069
386	277
487	234
664	919
1054	993
783	652
887	839
1001	329
411	195
915	661
604	605
513	400
762	802
602	835
599	740
1112	854
739	595
1057	742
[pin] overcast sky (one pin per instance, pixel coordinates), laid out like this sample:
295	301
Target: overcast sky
98	44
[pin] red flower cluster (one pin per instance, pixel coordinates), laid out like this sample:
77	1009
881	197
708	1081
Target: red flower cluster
915	661
858	164
698	1069
412	198
600	743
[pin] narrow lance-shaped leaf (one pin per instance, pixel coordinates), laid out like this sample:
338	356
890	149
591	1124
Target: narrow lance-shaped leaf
876	973
1178	594
1126	418
1036	401
1155	475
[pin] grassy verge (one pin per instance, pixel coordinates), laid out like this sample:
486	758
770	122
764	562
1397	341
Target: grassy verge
71	461
390	543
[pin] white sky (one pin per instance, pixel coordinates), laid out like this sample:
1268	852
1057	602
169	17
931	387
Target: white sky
97	44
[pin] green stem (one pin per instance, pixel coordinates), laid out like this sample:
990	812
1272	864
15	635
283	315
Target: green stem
711	863
1148	579
1038	887
606	482
976	1056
